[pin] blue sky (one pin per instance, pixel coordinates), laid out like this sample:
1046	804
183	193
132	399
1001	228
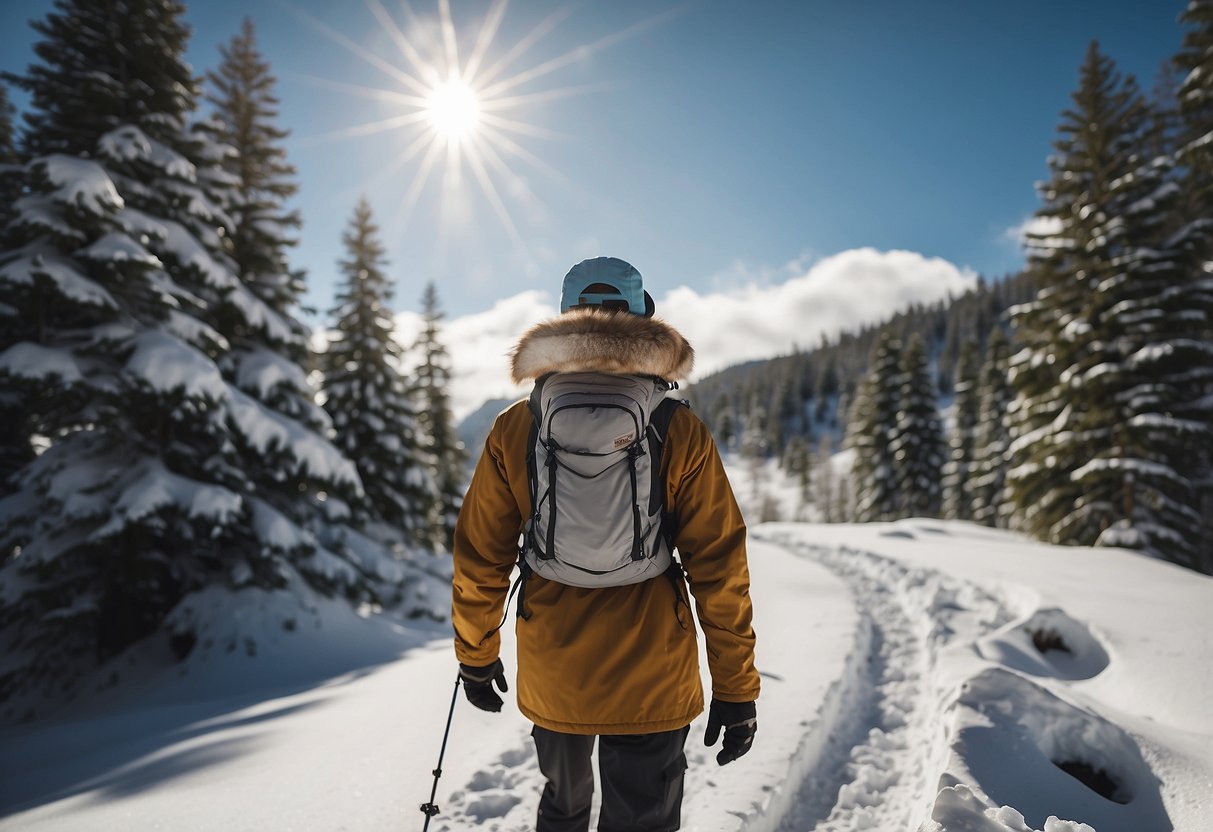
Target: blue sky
715	144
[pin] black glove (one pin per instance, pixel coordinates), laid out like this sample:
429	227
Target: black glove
478	685
740	723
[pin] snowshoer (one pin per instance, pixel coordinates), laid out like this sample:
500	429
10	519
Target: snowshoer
616	662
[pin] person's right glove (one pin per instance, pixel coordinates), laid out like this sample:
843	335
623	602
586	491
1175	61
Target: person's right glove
740	723
478	685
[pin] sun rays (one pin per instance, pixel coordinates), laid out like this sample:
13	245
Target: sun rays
454	112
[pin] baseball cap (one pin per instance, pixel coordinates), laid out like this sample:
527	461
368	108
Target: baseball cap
607	282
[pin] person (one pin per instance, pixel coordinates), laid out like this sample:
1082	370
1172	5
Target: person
616	663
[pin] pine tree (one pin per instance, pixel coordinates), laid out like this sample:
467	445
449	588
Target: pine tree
992	438
116	269
797	464
447	455
1193	210
111	354
15	448
917	443
959	472
871	431
366	395
246	110
10	182
1099	455
824	486
269	352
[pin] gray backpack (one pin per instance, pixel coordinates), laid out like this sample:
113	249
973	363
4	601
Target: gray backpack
593	465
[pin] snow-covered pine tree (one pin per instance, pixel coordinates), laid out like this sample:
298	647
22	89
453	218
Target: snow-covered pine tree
958	472
992	438
136	497
10	182
116	269
1193	243
870	431
824	486
15	448
296	491
447	455
918	441
241	91
797	463
1100	456
367	397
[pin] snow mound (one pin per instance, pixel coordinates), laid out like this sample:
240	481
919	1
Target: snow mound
1047	643
1017	744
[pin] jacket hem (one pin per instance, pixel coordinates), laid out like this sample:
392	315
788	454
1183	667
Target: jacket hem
671	724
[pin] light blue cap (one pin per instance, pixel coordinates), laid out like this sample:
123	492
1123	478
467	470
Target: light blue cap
612	271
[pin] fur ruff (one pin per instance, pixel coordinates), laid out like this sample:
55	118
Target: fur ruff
592	340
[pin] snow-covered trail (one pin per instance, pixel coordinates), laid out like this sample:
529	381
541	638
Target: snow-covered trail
902	690
883	769
356	752
962	720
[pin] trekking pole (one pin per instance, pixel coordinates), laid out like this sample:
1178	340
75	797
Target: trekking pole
429	809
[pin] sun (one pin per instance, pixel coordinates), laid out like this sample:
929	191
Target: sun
470	119
454	110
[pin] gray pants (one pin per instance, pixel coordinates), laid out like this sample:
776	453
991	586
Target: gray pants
641	781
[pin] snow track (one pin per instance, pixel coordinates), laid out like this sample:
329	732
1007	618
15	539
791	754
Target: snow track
886	748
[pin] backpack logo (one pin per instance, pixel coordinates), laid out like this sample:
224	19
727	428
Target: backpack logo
624	441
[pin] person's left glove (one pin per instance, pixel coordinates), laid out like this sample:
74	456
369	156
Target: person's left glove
740	723
478	685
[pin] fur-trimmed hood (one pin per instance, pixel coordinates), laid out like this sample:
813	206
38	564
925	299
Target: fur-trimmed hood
593	340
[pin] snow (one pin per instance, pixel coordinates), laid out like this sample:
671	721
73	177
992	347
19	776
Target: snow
26	268
194	331
276	530
166	365
261	371
117	247
261	316
186	249
916	675
80	183
151	487
266	430
41	211
34	361
128	143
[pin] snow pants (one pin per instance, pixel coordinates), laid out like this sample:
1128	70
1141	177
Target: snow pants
641	775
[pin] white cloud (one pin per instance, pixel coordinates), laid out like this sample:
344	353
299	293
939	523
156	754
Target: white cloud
837	293
759	313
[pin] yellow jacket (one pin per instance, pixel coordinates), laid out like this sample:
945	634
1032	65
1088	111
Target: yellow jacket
612	660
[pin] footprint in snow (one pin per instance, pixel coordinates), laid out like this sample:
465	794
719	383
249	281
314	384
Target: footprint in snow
492	793
1047	643
1020	745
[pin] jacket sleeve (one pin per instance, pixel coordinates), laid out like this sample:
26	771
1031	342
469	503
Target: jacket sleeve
711	539
485	552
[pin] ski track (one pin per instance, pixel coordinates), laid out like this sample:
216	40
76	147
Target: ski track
880	763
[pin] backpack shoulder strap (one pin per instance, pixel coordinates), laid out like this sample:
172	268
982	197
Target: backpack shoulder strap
663	414
535	402
659	426
535	405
